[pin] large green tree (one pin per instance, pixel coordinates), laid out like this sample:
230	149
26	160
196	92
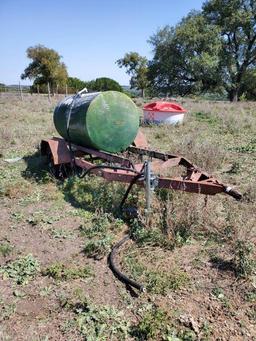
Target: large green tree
185	57
137	67
76	84
104	84
236	20
213	49
45	67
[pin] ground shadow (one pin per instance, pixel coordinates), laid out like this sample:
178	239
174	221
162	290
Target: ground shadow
37	168
93	193
90	193
222	264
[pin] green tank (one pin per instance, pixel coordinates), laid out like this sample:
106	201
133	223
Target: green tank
107	121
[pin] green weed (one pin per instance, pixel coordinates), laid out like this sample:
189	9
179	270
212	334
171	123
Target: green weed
21	270
98	248
18	216
245	264
98	225
137	269
6	310
162	282
62	234
153	237
93	193
156	282
220	295
59	271
46	291
5	249
153	325
99	323
35	218
251	296
82	213
42	217
206	117
250	147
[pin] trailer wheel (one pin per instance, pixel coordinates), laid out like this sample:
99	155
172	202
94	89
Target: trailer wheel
61	171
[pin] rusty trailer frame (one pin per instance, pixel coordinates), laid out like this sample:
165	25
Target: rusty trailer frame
194	180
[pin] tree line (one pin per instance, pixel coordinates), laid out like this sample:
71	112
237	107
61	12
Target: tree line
209	51
49	73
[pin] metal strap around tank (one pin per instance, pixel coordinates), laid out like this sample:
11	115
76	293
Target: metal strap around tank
68	122
71	107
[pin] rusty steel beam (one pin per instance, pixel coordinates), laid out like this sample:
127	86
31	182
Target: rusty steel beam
61	154
199	187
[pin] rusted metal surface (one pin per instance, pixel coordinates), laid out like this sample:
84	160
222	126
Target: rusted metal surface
140	140
200	187
61	154
58	148
194	181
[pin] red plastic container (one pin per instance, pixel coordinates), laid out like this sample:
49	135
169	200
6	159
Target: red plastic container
163	112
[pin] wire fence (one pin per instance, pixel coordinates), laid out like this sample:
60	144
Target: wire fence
25	90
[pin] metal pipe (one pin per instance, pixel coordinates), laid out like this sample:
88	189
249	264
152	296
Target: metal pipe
108	167
148	187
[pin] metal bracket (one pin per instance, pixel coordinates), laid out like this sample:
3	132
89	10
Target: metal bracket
151	182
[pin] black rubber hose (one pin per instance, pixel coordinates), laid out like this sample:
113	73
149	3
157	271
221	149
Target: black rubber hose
134	180
123	278
114	250
112	265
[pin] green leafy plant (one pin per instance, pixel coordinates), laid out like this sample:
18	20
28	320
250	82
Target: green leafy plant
245	264
251	296
206	117
94	194
62	234
152	237
6	310
41	217
98	248
99	323
97	226
5	249
156	282
250	147
59	271
21	270
17	216
161	282
220	295
153	325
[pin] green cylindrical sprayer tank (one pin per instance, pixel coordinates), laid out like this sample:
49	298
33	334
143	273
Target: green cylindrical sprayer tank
107	121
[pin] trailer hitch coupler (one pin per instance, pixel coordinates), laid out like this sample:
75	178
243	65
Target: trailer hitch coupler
230	191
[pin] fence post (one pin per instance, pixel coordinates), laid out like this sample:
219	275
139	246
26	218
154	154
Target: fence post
66	89
20	91
48	88
37	89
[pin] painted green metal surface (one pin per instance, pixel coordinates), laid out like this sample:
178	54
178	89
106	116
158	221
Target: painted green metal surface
106	121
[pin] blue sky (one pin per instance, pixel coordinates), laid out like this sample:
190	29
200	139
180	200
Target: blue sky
90	35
